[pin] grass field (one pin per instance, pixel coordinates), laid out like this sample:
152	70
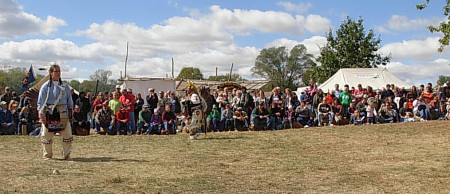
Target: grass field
400	158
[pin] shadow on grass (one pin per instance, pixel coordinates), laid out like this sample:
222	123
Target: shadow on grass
105	159
222	138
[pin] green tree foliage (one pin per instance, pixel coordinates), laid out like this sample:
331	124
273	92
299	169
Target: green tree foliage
190	73
234	77
284	67
443	79
105	84
350	48
12	77
443	27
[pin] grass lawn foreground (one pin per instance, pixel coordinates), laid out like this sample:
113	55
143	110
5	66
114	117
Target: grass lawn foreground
400	158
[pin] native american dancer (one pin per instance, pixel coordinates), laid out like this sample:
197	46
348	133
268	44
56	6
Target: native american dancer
55	110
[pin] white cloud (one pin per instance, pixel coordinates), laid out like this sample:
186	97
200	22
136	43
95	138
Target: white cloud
14	22
414	49
312	44
317	24
297	8
420	72
402	23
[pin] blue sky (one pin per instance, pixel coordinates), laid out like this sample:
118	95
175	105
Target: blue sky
83	36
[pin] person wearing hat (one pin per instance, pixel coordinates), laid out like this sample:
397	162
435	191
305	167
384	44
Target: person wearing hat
80	120
55	112
213	118
155	123
240	119
144	118
128	101
122	118
7	126
152	99
118	88
7	96
260	117
106	120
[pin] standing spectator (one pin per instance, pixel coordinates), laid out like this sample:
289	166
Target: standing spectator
83	103
337	91
7	96
236	101
152	99
387	93
317	99
169	120
359	93
221	101
144	119
371	113
428	95
15	97
247	102
289	117
127	101
115	104
276	97
139	102
345	98
161	102
260	117
97	105
14	108
175	103
74	95
261	98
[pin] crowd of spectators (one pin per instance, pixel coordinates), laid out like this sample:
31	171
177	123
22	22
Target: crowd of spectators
164	112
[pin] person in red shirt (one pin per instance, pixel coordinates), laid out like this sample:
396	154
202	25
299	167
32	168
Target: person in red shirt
122	117
128	101
97	105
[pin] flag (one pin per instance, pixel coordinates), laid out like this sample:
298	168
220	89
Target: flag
28	79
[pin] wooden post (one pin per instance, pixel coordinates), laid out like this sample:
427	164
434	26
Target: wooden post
126	59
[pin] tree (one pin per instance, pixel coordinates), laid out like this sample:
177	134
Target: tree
234	77
443	79
283	67
350	48
75	84
190	73
443	27
104	82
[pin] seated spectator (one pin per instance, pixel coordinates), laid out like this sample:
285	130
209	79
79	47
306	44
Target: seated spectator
387	114
350	110
357	118
403	112
303	114
371	112
325	110
362	106
155	123
80	120
442	112
7	125
240	120
213	119
25	122
14	108
106	120
227	118
338	111
169	120
260	117
275	117
421	107
289	117
144	119
123	118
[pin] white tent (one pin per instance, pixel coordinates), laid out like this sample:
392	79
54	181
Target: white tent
141	85
377	78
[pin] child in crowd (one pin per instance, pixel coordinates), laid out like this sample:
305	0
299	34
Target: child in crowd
169	120
25	122
356	118
290	114
155	123
213	119
371	113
